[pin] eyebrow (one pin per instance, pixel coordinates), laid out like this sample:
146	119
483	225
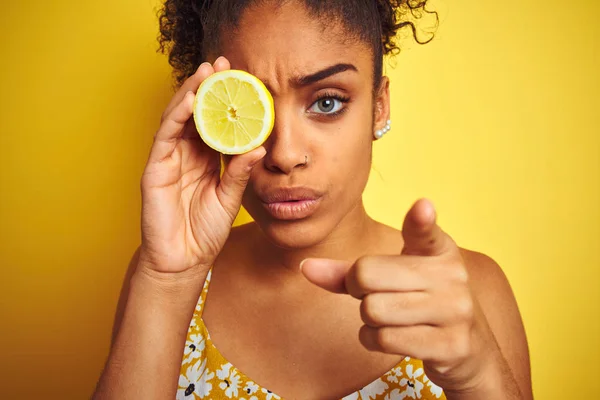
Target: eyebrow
322	74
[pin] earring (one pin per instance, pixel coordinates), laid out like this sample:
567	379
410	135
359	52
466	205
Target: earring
380	132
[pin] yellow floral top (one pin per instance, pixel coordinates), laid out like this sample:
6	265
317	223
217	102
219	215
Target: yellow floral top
206	374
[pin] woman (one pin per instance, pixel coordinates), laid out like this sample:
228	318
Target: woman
314	300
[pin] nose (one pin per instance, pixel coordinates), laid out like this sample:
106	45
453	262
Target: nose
286	150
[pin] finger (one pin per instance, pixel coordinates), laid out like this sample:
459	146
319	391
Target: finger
191	84
417	341
235	179
190	131
221	64
387	274
174	123
328	274
422	236
423	342
402	309
369	274
172	128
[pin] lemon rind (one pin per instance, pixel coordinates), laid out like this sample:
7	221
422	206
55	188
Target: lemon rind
264	97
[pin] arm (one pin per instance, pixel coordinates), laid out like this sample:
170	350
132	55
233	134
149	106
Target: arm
450	308
124	295
511	376
187	213
148	346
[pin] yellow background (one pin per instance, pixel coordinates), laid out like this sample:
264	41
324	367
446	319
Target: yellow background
497	121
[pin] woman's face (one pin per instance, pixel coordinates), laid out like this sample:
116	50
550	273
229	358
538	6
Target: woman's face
318	159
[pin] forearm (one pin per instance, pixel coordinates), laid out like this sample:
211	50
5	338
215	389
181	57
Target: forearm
498	383
145	358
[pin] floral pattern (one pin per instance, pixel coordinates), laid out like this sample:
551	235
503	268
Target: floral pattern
411	385
230	380
193	348
206	374
433	388
194	383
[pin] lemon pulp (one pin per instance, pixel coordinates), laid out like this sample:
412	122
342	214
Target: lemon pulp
233	112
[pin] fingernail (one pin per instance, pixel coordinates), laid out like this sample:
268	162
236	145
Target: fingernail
302	263
430	213
203	64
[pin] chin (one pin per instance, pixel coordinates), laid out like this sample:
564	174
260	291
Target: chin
296	234
292	235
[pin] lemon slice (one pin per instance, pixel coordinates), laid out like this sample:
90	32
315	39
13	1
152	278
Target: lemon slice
233	112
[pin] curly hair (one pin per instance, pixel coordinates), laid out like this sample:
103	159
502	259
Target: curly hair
189	29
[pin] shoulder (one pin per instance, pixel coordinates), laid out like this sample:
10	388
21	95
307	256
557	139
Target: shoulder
491	289
484	272
494	294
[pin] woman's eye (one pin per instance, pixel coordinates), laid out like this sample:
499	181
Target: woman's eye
327	105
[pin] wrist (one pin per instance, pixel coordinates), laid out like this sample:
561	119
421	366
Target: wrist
173	266
175	288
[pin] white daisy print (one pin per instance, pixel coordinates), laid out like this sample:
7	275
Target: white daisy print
394	395
270	395
433	388
230	380
250	388
199	305
205	387
193	348
394	375
195	382
373	389
413	385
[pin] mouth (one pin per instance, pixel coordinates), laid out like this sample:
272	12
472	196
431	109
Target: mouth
291	203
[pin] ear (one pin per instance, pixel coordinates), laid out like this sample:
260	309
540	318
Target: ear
382	104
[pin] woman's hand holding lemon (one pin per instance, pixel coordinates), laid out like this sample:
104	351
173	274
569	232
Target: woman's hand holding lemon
187	209
187	214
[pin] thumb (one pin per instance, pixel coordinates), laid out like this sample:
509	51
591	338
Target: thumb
422	236
235	179
327	274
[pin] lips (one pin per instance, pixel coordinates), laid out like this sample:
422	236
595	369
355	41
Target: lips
290	203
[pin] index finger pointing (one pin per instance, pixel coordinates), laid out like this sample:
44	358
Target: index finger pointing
421	233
